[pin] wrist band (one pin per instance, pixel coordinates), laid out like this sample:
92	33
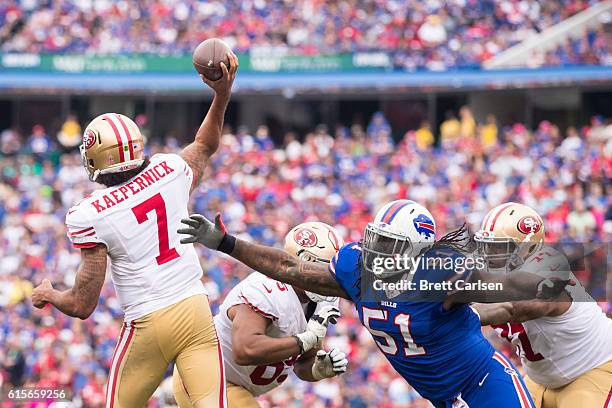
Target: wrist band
227	244
300	344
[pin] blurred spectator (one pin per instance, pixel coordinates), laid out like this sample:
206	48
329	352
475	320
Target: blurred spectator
378	123
143	124
592	47
70	134
432	32
10	142
13	362
39	143
572	144
450	129
581	222
424	137
262	138
468	123
488	133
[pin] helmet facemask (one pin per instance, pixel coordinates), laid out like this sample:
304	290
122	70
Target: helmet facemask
309	257
379	245
503	254
498	253
314	241
510	233
92	175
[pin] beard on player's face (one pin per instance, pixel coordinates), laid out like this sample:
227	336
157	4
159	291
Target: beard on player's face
497	254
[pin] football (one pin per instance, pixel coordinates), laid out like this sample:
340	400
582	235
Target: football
208	55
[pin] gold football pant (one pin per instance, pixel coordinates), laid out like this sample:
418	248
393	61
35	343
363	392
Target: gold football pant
237	397
592	389
184	333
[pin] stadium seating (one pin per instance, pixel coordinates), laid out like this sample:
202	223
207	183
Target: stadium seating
420	34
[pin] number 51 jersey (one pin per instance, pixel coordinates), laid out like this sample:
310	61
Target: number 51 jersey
137	221
440	353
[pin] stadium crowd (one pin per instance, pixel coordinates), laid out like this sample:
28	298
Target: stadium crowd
590	48
262	191
430	34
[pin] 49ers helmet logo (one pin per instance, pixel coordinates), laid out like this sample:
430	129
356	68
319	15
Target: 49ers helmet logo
305	237
89	138
528	225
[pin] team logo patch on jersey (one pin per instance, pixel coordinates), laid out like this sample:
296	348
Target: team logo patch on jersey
424	225
510	371
89	138
305	237
528	225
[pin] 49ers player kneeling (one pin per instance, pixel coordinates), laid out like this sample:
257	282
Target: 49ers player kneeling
267	328
564	344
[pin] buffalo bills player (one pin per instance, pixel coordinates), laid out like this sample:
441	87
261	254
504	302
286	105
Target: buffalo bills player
436	345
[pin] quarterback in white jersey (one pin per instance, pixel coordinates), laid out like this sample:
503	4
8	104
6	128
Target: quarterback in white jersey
564	345
129	219
268	329
133	222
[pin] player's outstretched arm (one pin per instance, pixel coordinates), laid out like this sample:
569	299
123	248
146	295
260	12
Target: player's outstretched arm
80	300
279	265
518	312
520	285
515	286
206	140
272	262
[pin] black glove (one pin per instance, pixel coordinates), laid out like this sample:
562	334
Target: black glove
213	236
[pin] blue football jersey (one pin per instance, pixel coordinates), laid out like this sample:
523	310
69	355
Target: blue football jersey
438	352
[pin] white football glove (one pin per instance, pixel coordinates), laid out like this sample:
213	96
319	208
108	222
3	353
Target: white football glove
329	364
317	327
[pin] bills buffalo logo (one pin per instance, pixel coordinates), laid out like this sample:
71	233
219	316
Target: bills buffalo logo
424	225
89	138
305	237
510	371
528	225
